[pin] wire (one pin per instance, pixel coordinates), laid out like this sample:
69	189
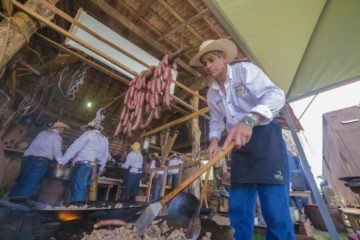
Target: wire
308	105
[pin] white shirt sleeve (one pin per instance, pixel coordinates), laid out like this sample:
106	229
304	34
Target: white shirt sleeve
74	148
216	123
57	151
270	98
106	154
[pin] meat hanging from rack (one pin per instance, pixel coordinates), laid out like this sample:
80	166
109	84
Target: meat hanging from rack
147	94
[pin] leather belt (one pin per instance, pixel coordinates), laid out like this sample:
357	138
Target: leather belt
41	158
85	162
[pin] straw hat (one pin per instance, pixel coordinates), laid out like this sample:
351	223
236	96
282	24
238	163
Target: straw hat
136	147
59	125
90	124
154	155
174	155
224	45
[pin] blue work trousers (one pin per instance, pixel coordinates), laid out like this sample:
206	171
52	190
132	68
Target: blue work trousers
80	181
132	184
274	200
32	172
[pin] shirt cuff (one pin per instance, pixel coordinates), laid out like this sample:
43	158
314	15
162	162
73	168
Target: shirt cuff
215	134
265	112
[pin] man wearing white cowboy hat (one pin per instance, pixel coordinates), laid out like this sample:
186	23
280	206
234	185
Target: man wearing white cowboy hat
243	100
89	150
133	163
45	147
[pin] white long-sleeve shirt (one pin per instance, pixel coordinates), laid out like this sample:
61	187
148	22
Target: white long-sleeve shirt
134	161
247	89
172	162
47	144
91	145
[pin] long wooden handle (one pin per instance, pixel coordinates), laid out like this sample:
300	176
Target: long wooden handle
197	174
203	190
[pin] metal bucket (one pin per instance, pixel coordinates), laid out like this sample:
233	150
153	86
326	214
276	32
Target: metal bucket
60	174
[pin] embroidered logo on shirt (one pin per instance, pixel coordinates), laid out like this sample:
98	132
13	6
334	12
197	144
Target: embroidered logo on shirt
278	176
239	89
219	103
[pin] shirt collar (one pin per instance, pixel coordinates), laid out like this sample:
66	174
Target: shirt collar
229	76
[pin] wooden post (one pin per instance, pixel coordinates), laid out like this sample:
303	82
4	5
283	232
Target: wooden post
163	183
152	174
196	134
15	35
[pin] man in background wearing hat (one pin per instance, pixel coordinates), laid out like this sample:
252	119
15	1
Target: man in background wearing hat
89	150
44	148
158	179
243	100
133	162
174	173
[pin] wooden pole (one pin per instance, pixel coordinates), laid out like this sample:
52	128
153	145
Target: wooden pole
196	134
88	30
14	35
84	59
177	121
71	36
91	48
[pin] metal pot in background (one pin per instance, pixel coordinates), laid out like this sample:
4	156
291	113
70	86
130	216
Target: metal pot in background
60	174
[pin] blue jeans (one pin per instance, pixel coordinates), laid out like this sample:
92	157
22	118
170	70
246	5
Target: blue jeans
274	200
156	189
131	186
80	181
32	172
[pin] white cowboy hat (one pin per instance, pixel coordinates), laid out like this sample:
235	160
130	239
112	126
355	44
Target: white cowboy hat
224	45
90	124
59	125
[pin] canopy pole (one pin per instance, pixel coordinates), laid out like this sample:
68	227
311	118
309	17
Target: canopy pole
306	167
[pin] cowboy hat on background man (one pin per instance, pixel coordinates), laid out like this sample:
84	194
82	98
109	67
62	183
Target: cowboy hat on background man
59	125
136	147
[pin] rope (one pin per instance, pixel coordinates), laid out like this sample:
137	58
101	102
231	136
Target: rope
14	25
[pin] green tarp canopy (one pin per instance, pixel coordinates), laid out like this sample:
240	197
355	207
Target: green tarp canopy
305	46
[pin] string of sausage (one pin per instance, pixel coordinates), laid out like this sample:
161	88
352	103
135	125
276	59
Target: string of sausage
146	95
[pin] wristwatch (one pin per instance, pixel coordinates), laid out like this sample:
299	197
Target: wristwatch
250	119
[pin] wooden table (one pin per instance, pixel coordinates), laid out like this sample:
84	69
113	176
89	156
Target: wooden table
111	182
353	215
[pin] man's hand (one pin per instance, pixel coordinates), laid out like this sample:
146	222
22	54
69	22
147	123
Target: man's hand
213	148
60	166
240	134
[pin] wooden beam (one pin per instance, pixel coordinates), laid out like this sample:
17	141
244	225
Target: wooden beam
176	122
12	39
185	23
147	24
143	10
209	24
84	59
88	30
71	36
83	43
108	9
178	17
